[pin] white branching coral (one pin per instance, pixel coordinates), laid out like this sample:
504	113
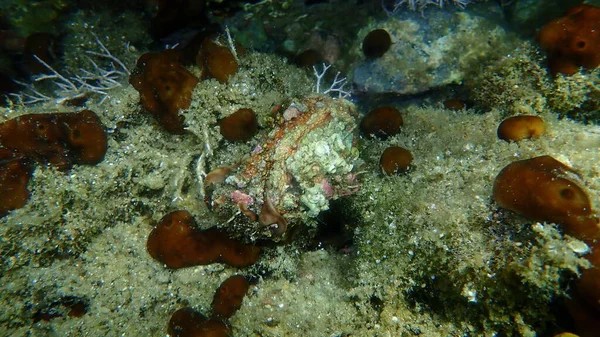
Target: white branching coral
95	81
420	4
336	87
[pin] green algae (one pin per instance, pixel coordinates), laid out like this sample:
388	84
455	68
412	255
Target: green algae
519	84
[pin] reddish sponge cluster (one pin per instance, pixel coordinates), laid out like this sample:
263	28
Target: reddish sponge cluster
584	304
229	297
517	128
165	86
187	322
395	160
573	41
217	61
227	300
376	43
177	243
66	306
60	139
382	123
15	171
240	126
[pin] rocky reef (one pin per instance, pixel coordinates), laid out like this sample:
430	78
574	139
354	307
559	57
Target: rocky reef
218	188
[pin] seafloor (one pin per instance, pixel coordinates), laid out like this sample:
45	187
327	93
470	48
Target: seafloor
424	253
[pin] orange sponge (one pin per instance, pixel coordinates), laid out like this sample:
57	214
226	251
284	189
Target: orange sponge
572	41
60	139
177	243
165	86
544	189
229	297
517	128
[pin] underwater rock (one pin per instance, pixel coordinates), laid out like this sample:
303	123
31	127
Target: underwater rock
291	176
526	16
428	51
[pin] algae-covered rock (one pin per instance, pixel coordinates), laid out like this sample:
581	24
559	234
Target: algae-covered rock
519	83
429	51
525	16
435	249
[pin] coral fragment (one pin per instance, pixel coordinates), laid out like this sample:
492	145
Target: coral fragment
291	176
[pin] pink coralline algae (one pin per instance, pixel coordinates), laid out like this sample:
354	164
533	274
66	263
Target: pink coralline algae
241	198
291	176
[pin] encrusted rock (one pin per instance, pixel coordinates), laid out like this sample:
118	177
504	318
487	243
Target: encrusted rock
291	176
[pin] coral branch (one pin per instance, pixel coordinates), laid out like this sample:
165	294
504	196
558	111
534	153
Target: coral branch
337	86
95	81
421	4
